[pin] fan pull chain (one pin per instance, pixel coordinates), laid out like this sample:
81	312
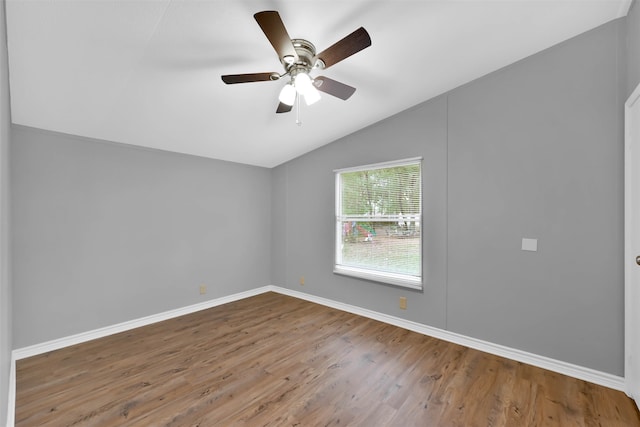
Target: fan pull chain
298	121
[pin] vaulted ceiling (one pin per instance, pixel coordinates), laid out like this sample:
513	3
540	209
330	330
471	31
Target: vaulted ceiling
147	72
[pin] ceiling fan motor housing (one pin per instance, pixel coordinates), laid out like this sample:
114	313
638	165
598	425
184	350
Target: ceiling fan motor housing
306	52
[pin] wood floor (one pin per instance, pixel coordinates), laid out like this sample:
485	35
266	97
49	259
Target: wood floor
273	360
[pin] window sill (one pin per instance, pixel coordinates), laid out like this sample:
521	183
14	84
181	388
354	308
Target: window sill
404	281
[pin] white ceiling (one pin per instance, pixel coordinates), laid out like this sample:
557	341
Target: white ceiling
147	72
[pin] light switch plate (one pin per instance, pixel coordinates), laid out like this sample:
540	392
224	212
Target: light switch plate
530	245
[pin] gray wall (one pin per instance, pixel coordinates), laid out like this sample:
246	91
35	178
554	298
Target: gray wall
304	213
5	282
633	47
533	150
104	233
536	150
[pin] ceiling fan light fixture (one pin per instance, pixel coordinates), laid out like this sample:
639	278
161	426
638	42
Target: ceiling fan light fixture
304	86
287	94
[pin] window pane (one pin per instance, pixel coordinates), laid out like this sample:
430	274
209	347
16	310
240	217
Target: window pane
382	246
381	192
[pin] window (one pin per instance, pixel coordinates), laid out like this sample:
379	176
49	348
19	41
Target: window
379	222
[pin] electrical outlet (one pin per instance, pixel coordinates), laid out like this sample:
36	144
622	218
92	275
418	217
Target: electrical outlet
301	280
203	289
403	303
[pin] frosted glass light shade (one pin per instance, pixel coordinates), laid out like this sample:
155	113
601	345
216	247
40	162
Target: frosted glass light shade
303	83
287	95
312	96
305	87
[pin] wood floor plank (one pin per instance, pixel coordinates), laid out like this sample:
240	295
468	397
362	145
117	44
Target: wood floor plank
274	360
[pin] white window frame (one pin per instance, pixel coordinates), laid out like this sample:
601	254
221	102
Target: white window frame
403	280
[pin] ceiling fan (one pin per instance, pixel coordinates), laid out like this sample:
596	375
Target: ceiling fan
299	58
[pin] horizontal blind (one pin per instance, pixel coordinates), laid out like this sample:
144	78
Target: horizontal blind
378	220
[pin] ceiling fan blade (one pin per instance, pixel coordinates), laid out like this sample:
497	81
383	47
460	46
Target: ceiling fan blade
248	78
332	87
284	108
344	48
274	29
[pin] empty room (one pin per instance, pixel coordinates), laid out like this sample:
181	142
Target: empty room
288	213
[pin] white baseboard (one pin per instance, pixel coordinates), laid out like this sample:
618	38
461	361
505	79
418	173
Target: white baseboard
587	374
569	369
59	343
